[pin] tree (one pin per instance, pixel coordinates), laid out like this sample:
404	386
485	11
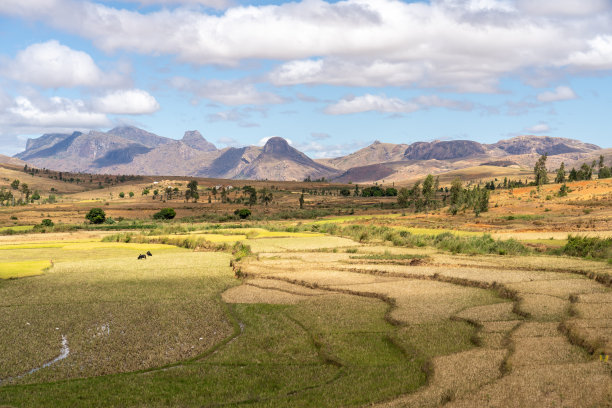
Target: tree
36	195
252	198
585	172
25	189
560	178
456	195
131	194
122	195
541	175
145	191
391	192
96	216
192	191
573	175
15	184
165	214
483	202
265	196
345	192
403	197
302	201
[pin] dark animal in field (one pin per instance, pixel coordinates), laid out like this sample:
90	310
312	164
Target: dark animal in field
149	253
142	256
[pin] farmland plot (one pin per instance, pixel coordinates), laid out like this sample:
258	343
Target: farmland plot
315	321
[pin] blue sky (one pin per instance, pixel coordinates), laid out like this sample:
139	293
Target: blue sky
329	76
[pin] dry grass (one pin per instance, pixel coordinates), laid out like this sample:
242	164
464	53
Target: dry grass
489	313
543	307
562	385
300	244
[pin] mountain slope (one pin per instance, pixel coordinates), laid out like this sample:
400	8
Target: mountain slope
195	140
377	152
279	161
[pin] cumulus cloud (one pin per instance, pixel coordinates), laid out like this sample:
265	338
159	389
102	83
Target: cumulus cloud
321	151
569	8
561	93
126	102
382	103
218	4
232	93
539	128
460	45
368	103
53	65
597	56
54	112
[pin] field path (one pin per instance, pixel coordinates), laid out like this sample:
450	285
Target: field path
541	349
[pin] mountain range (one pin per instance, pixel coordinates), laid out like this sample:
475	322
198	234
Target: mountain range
130	150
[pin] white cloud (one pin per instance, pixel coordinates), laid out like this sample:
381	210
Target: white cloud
539	128
54	112
209	3
368	103
126	102
320	151
53	65
453	44
563	7
561	93
231	93
382	103
598	54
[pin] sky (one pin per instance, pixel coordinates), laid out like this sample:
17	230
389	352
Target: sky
330	76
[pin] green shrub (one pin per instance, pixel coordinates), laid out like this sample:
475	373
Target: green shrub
588	247
165	214
243	213
46	222
96	216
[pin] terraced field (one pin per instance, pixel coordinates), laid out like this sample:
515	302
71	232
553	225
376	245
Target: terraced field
539	347
313	320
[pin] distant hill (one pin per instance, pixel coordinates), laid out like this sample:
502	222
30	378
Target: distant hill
129	150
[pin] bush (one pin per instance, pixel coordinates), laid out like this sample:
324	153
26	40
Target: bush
96	216
588	247
165	214
46	222
243	213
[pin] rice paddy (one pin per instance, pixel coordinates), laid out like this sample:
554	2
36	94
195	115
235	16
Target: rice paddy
313	320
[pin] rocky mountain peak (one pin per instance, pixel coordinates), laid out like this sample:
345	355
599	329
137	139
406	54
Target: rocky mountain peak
194	139
277	145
